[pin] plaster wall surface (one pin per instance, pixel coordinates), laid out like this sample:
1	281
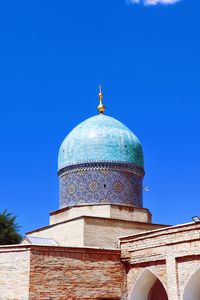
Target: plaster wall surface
77	211
65	233
130	214
91	231
14	273
103	232
105	211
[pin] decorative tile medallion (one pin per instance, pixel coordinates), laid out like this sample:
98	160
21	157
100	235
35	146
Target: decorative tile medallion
118	186
93	186
71	188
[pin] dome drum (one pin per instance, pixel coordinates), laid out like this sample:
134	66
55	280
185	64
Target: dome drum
101	183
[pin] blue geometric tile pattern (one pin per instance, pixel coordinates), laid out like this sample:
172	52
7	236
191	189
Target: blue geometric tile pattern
100	138
101	183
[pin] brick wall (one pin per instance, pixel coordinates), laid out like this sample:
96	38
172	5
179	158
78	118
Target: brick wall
171	254
60	273
76	273
14	273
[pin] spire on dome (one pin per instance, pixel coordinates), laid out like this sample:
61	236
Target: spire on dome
101	107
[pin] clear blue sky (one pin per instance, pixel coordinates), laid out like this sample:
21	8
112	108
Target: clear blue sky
53	55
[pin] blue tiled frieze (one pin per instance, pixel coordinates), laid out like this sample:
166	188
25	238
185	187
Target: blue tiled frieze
101	183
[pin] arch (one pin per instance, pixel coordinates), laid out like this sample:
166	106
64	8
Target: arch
148	287
192	288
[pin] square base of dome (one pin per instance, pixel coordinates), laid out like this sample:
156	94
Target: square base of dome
95	226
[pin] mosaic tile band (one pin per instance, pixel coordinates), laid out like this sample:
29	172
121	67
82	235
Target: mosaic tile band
101	183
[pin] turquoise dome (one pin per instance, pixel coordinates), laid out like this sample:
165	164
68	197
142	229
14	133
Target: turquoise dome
100	138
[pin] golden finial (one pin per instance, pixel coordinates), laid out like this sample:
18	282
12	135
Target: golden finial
101	107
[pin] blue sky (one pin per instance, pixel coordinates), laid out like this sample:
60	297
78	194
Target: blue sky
53	56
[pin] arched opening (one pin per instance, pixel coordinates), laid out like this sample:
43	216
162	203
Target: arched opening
157	292
192	288
148	287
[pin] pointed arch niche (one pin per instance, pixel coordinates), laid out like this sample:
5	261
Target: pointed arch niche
148	287
192	288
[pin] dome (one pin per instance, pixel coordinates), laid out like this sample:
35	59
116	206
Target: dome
100	139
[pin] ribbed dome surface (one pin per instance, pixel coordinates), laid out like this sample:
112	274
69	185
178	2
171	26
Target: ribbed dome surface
100	138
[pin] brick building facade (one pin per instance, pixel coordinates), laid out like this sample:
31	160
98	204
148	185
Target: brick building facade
101	242
169	255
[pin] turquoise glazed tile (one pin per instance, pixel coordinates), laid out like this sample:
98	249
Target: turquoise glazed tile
100	138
